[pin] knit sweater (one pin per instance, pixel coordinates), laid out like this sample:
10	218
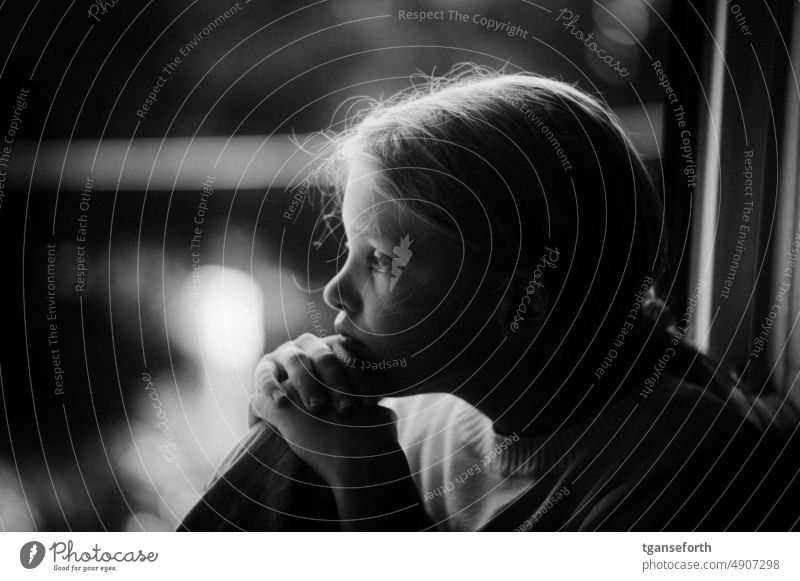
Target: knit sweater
648	461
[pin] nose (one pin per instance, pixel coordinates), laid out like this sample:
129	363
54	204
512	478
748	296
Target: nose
340	293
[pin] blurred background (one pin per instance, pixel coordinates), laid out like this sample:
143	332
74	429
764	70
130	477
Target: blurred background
153	245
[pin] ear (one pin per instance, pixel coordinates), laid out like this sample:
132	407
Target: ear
524	306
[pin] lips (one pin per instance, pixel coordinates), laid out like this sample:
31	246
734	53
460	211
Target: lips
349	342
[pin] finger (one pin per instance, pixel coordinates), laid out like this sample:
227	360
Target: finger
300	372
275	394
357	382
252	416
261	406
284	419
308	342
282	394
268	370
328	369
266	380
256	410
270	387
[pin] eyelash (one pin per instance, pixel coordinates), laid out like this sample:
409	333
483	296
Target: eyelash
377	262
381	263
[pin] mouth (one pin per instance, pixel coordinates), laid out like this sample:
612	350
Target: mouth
350	343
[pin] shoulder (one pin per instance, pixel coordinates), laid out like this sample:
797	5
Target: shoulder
682	405
685	464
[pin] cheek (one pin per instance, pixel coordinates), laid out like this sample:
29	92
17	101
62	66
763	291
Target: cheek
416	317
386	316
409	326
420	307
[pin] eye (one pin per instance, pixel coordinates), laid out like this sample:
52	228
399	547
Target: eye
381	263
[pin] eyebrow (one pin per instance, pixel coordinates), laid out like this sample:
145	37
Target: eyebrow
376	243
370	231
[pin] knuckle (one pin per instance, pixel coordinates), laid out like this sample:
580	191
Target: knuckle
307	388
263	377
267	387
258	407
304	340
311	342
266	361
280	350
265	366
298	359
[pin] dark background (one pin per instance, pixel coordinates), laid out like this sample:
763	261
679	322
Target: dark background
98	456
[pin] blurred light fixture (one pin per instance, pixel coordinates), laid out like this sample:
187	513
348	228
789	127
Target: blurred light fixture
623	22
221	315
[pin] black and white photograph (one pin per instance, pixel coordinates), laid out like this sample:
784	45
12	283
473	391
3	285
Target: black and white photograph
400	266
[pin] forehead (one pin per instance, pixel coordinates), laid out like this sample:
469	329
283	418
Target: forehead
365	211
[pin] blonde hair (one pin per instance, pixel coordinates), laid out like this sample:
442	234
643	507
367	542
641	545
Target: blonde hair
517	161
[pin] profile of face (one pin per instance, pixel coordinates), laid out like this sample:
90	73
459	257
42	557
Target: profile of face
405	304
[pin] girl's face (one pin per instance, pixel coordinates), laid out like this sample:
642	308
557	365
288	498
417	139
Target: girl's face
402	294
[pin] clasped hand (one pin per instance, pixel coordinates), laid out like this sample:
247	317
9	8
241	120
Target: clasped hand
322	412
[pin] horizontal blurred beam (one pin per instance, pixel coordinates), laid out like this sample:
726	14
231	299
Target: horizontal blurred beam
174	163
252	162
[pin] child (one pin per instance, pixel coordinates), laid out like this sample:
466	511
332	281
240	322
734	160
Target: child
504	250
